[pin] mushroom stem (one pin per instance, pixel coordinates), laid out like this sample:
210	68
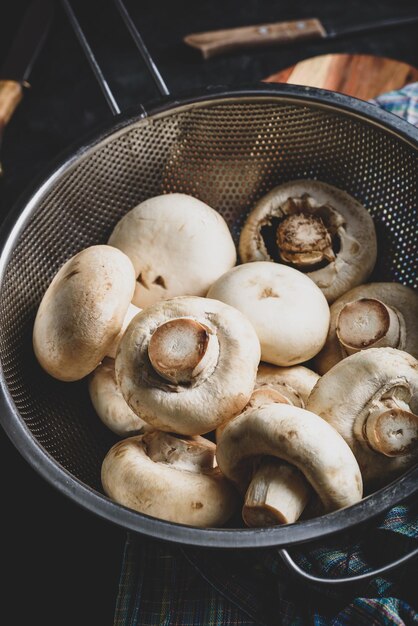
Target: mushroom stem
391	428
303	240
277	494
368	323
129	315
182	350
182	453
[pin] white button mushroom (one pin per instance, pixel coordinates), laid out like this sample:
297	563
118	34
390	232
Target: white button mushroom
109	403
303	440
168	477
178	245
313	227
188	364
295	383
278	492
371	316
288	311
369	398
131	311
82	312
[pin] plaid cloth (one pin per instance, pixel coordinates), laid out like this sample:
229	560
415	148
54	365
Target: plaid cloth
403	102
164	584
170	585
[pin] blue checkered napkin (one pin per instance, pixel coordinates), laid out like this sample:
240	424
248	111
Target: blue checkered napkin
166	584
378	601
403	102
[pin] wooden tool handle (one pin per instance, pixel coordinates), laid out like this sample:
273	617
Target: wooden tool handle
216	42
10	96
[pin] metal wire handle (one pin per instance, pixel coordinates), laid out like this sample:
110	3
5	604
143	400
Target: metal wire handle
290	563
107	92
139	42
100	77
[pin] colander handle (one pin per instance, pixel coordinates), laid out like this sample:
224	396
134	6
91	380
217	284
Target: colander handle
100	77
301	573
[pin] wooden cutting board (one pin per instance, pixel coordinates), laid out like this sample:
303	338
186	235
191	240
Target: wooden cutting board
360	75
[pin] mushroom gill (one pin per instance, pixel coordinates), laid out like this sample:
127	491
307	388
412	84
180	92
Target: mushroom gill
306	235
315	228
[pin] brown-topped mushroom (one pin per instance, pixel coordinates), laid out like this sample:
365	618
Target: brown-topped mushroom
288	311
316	228
188	364
178	245
109	403
82	313
371	316
275	491
371	399
169	477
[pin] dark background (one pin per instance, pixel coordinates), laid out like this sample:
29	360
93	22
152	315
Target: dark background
60	564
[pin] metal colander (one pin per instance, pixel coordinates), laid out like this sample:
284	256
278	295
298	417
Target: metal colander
227	149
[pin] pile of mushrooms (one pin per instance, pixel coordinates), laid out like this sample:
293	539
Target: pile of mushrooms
170	335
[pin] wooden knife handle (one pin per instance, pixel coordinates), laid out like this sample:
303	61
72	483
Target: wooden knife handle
216	42
10	95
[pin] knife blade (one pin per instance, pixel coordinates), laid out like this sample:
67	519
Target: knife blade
216	42
22	55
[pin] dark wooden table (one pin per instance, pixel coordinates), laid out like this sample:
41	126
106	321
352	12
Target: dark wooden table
60	564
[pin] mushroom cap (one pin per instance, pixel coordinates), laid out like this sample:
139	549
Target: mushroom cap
157	488
402	299
178	245
296	383
356	257
344	395
288	311
211	398
299	437
131	311
109	403
82	312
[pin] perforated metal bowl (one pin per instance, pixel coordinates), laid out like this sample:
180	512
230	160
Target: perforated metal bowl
227	149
